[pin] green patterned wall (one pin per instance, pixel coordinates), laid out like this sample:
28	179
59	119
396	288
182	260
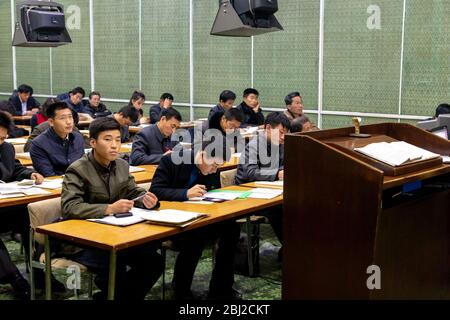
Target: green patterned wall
362	55
288	61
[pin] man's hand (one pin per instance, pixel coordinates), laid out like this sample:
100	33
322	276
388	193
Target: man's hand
196	191
281	175
120	206
38	179
256	108
167	152
150	200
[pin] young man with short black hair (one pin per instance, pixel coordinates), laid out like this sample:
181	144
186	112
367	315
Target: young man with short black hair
253	167
165	102
59	146
99	185
94	107
24	103
193	178
153	142
13	218
126	116
226	101
75	99
251	108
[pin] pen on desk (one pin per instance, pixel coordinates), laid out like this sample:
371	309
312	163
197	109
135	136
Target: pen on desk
139	198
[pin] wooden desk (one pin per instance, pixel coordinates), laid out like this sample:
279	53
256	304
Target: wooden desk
140	177
23	120
113	238
83	123
254	185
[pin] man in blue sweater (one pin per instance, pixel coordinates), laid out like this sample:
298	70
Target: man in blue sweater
55	149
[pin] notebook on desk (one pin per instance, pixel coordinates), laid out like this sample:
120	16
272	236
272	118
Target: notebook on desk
169	217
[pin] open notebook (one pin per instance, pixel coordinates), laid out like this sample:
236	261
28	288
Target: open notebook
396	153
167	217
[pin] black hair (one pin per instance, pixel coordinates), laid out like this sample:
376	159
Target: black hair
94	93
47	103
51	109
276	118
227	95
170	113
296	125
223	152
165	96
250	91
129	112
102	124
78	90
234	114
288	99
137	95
443	108
24	88
5	120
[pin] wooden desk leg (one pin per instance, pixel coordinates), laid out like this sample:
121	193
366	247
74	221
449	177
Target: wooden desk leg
112	274
248	224
48	269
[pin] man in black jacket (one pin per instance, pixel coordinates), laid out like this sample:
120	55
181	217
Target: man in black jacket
180	182
251	108
15	218
24	103
165	102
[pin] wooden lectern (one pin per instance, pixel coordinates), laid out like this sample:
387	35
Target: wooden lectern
345	212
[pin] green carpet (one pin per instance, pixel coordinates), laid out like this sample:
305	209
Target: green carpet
266	286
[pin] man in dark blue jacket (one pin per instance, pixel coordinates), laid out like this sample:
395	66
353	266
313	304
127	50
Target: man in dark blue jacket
153	142
165	102
75	99
180	182
24	103
55	149
16	218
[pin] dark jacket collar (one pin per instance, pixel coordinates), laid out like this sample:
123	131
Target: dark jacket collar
55	137
98	166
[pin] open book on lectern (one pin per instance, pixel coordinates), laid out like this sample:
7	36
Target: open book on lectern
396	153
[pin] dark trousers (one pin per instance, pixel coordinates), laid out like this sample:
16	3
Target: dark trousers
191	246
17	220
275	216
7	267
137	270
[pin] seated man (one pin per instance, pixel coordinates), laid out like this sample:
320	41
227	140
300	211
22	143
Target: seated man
41	116
13	218
251	108
153	142
125	117
226	101
98	185
165	102
294	110
24	103
59	146
75	99
262	160
227	121
301	124
180	182
94	107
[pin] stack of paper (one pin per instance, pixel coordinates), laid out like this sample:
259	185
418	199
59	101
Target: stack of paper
264	193
51	184
270	183
121	222
221	195
168	217
396	153
23	155
136	169
446	159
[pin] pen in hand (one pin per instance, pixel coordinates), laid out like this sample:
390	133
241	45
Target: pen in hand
139	198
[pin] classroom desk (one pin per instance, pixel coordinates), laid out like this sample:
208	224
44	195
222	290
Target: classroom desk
140	177
23	120
114	239
260	185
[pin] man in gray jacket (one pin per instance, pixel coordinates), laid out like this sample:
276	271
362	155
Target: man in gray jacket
262	160
153	142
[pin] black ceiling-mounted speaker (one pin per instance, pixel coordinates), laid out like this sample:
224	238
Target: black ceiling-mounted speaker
40	24
245	18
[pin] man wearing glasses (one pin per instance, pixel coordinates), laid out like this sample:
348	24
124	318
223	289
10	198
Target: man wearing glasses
175	181
54	150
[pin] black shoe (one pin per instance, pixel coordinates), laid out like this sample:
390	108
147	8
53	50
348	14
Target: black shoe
20	286
39	282
230	294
